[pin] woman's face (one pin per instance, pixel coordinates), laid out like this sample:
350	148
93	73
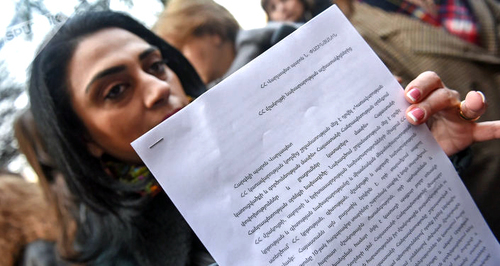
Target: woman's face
120	88
285	10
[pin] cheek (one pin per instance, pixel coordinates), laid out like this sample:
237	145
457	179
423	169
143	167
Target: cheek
198	58
110	127
275	15
296	7
115	125
194	55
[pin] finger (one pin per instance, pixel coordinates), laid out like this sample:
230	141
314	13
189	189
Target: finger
474	105
485	131
419	88
399	79
438	100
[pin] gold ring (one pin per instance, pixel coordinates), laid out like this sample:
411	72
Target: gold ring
462	115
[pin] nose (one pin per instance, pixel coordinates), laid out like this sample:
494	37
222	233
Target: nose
156	91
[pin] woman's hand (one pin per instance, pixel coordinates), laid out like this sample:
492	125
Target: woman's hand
451	122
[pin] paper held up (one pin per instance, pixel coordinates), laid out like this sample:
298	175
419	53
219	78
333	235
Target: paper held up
304	157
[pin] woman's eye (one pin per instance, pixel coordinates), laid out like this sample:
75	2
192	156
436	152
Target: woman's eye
115	91
158	67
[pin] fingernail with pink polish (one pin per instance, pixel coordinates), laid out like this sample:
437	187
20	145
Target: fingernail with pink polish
416	114
482	96
414	94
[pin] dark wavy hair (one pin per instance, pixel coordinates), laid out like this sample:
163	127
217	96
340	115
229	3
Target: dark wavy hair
107	206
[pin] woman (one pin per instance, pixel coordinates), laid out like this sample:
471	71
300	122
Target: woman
102	81
82	101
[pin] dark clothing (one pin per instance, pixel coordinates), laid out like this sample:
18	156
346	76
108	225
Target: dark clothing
161	237
251	43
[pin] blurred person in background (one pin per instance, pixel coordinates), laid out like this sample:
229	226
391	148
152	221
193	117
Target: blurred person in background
211	39
54	190
26	217
288	10
462	18
409	46
299	11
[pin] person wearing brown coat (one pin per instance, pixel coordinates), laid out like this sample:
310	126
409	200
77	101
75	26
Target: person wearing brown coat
25	216
408	46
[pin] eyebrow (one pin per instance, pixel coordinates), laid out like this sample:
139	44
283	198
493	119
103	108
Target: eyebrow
106	72
120	68
147	52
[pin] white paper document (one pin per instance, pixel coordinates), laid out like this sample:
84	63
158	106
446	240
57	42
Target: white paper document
304	157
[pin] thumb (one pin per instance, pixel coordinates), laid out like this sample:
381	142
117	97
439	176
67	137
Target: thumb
473	106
